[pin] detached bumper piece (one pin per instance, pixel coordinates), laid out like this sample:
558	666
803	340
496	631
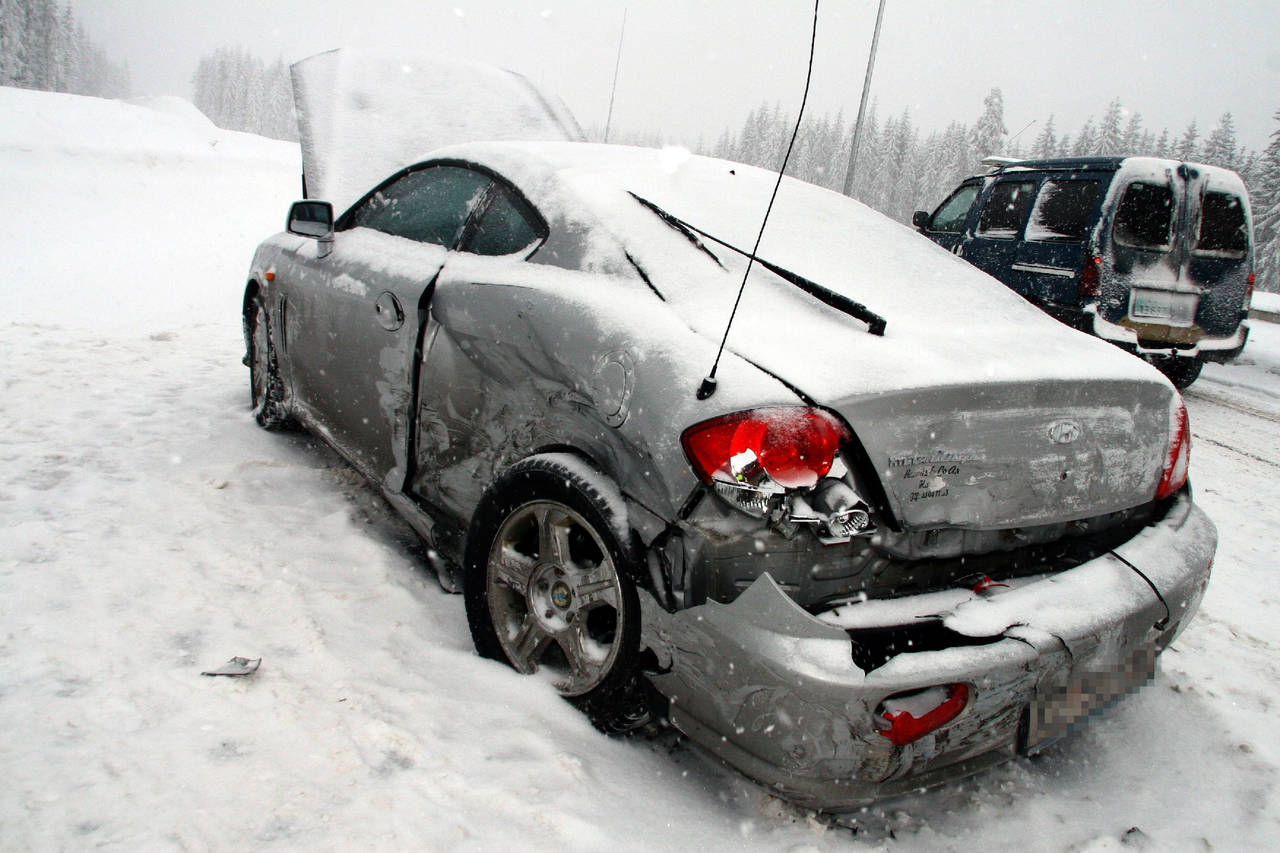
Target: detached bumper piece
878	697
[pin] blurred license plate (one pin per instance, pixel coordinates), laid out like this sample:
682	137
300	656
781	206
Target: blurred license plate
1049	716
1178	309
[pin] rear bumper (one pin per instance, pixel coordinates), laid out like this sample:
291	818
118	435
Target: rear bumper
1220	349
773	690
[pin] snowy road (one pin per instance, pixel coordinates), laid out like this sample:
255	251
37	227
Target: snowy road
149	530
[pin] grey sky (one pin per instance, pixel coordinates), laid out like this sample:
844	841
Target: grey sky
692	69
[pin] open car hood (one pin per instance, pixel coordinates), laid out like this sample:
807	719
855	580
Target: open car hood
362	116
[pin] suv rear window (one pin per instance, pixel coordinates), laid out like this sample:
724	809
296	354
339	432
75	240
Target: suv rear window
1222	226
1062	211
1145	216
1006	209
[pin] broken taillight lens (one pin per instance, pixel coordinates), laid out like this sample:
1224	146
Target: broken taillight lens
1174	475
795	446
914	715
1090	276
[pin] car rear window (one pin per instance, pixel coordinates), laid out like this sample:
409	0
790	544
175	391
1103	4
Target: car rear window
1222	226
1144	218
1062	211
951	214
1006	210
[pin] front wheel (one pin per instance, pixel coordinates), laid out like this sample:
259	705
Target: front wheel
265	387
549	586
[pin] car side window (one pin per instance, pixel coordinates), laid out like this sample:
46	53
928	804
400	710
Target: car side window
427	205
507	225
1006	209
950	216
1062	211
1144	217
1222	227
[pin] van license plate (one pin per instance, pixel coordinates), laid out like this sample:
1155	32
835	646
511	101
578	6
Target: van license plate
1176	309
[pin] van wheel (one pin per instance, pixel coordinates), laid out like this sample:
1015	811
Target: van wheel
1181	371
549	589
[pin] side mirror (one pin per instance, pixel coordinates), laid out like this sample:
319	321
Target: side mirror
311	219
920	219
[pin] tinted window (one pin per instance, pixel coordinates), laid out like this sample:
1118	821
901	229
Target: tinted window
1222	227
429	205
508	225
1006	210
1062	211
950	215
1145	215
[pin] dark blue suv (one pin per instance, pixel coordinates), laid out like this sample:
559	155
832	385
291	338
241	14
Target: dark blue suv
1153	255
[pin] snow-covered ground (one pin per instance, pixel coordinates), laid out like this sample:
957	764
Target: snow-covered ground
149	530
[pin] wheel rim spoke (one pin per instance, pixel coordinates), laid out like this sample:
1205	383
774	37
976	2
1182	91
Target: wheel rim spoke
553	536
597	587
514	570
528	645
573	643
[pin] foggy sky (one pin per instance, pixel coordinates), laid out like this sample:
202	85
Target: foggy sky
692	69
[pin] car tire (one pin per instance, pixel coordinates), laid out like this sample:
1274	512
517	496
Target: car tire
266	390
1180	371
549	586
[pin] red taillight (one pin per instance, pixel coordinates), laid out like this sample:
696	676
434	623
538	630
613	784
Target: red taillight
905	727
795	446
1091	276
1174	476
1248	294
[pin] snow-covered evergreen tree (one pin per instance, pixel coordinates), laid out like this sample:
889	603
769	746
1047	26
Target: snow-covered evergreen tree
1110	139
1220	148
989	131
1266	214
1188	146
1046	144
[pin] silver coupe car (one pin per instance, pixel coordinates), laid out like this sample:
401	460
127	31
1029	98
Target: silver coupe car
914	527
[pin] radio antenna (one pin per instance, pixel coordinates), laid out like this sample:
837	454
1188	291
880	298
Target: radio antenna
616	65
708	386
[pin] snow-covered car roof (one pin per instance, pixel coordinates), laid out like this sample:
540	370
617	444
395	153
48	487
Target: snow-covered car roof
948	323
362	115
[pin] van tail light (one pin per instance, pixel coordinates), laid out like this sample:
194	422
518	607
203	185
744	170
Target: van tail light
1174	476
1248	294
795	446
913	715
1091	276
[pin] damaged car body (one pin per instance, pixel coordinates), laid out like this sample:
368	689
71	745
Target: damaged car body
884	553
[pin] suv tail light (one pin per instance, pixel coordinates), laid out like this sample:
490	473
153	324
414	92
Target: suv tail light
1090	276
1248	294
1174	476
794	446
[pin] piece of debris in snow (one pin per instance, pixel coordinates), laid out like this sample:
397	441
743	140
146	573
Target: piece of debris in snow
236	667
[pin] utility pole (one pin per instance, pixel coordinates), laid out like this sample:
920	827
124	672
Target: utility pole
862	106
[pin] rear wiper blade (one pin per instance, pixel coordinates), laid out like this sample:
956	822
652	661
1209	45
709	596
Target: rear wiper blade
875	323
680	226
